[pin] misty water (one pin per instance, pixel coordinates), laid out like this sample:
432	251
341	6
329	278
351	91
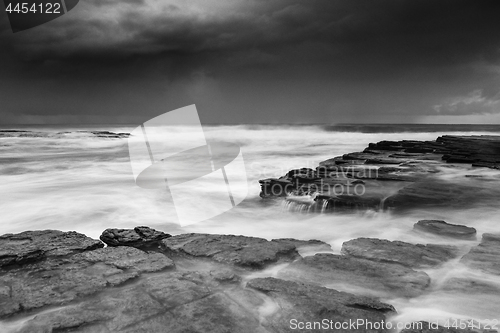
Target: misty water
66	178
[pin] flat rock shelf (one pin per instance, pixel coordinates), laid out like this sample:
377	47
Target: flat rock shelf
396	175
54	281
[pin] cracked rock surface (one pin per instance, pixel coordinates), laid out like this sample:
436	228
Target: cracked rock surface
54	281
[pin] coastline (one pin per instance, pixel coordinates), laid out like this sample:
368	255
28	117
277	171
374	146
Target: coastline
149	281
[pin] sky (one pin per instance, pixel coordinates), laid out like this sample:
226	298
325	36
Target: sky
256	61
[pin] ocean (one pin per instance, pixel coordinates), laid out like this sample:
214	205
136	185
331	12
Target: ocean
67	178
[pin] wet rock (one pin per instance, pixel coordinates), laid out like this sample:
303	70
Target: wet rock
435	193
358	156
140	237
225	276
386	160
487	165
103	134
126	258
460	159
348	202
236	250
486	255
308	304
386	145
110	135
306	246
378	277
406	254
302	172
273	187
481	150
59	280
37	245
22	134
470	286
417	163
174	302
441	228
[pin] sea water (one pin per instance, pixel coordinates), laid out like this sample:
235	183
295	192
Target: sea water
67	178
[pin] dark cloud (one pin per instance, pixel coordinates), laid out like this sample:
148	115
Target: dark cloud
259	61
100	3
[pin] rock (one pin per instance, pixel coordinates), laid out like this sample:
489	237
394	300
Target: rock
32	134
486	255
108	134
413	162
436	193
442	228
178	302
470	286
386	160
58	280
337	203
41	244
140	237
236	250
487	165
386	145
306	246
358	156
301	172
127	258
379	277
174	302
388	173
406	254
273	187
481	149
304	303
225	276
339	160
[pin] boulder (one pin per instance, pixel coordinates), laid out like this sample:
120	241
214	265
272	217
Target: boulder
441	228
235	250
36	245
406	254
140	237
377	277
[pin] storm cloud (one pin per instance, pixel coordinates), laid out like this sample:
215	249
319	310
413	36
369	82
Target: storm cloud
256	61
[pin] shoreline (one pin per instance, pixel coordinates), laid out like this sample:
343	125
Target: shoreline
145	280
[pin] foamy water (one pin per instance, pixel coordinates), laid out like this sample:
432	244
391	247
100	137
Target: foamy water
76	181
